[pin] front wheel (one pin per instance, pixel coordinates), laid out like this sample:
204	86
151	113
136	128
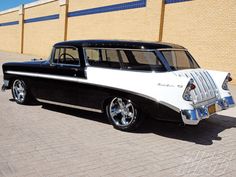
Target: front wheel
123	114
20	92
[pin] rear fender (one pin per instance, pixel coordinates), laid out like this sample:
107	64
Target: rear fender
170	89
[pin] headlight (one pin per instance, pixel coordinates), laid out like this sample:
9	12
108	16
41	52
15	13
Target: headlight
225	83
187	93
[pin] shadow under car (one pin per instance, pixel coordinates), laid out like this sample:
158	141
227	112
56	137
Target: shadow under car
204	133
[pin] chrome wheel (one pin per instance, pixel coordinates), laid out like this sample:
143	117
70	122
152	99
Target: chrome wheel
19	91
122	111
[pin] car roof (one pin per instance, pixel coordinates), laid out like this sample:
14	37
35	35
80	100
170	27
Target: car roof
118	44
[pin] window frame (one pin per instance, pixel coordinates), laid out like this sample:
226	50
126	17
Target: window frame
64	64
193	61
121	62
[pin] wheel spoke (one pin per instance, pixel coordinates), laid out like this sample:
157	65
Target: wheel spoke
18	97
120	102
124	121
128	105
22	94
15	90
115	112
130	114
20	86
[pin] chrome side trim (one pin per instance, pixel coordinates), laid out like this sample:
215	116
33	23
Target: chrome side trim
48	76
71	106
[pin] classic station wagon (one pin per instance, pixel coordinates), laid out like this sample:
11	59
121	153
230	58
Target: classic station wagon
124	79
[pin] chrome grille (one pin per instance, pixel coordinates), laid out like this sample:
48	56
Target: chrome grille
206	88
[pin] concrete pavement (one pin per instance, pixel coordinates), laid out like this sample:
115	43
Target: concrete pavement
52	141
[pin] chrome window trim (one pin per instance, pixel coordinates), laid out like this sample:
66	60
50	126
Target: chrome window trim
121	69
166	49
71	65
148	50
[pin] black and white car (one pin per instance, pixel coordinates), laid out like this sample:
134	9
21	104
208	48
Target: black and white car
124	79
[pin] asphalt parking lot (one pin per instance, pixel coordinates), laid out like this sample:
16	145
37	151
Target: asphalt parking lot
52	141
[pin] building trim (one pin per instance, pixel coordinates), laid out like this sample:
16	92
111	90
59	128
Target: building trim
97	10
110	8
103	9
175	1
43	18
9	10
37	3
9	23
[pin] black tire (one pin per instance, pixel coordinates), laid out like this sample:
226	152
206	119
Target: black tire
21	93
123	114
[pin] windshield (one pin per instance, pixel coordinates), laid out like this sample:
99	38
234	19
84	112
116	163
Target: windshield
179	59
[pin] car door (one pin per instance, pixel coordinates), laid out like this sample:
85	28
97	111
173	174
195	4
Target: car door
61	77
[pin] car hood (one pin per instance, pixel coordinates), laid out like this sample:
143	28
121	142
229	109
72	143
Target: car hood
21	65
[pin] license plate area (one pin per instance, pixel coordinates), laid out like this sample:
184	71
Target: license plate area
212	109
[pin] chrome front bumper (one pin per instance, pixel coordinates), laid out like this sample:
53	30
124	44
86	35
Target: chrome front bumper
193	117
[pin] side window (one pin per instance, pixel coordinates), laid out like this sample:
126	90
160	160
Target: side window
183	61
141	60
179	59
111	55
66	55
145	58
93	55
123	57
57	53
107	58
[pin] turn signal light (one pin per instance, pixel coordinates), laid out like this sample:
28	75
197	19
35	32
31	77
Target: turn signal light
192	86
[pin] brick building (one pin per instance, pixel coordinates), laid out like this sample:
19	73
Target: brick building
206	27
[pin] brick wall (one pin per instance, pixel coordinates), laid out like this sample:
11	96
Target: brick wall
206	27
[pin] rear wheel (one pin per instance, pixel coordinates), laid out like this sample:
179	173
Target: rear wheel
20	92
123	114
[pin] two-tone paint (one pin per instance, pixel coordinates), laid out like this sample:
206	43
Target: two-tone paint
160	94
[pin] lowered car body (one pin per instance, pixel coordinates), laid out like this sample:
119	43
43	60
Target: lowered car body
125	79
